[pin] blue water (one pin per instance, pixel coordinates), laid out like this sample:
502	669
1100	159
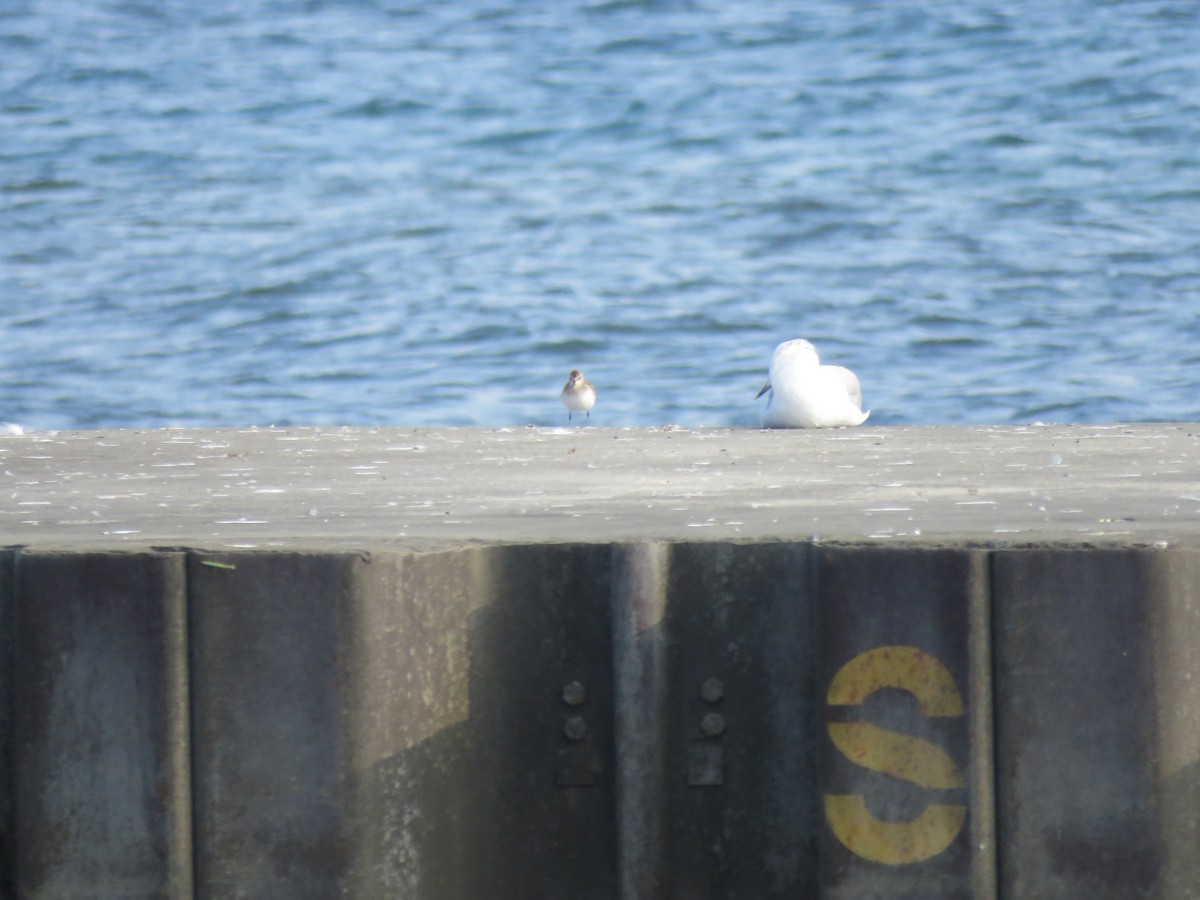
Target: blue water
375	212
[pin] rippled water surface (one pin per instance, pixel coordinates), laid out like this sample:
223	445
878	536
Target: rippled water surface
372	212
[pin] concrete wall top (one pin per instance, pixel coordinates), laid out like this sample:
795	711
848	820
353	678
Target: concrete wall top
353	488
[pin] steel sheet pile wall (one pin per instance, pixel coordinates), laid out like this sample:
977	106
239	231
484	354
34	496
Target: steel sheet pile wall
99	742
648	720
1098	723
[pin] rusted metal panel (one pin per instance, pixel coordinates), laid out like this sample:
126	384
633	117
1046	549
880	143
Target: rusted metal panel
1097	730
906	752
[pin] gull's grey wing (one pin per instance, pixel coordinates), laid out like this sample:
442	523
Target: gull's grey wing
850	380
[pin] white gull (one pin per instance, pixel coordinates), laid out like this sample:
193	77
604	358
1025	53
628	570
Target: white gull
806	394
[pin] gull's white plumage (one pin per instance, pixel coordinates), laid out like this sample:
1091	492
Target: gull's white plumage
806	394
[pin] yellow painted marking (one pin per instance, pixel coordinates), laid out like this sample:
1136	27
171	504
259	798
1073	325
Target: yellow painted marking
892	843
907	668
908	758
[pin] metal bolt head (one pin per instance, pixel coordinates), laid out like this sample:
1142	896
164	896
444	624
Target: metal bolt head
713	690
712	724
575	728
574	693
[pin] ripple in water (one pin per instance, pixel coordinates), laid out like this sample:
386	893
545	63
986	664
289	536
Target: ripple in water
371	214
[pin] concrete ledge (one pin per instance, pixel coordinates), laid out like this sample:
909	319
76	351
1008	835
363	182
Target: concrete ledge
334	489
542	701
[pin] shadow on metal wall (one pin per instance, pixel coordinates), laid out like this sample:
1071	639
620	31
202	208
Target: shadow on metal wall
650	720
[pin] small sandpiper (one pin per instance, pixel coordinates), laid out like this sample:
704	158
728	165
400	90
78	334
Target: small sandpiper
578	395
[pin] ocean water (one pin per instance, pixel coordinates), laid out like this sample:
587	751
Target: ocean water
375	212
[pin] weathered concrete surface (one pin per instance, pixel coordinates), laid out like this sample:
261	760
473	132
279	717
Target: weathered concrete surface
355	488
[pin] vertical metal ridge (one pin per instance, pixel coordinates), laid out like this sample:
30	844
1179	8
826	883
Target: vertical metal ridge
639	599
985	872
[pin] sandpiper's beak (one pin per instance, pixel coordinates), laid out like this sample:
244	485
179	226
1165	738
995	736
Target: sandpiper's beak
766	387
